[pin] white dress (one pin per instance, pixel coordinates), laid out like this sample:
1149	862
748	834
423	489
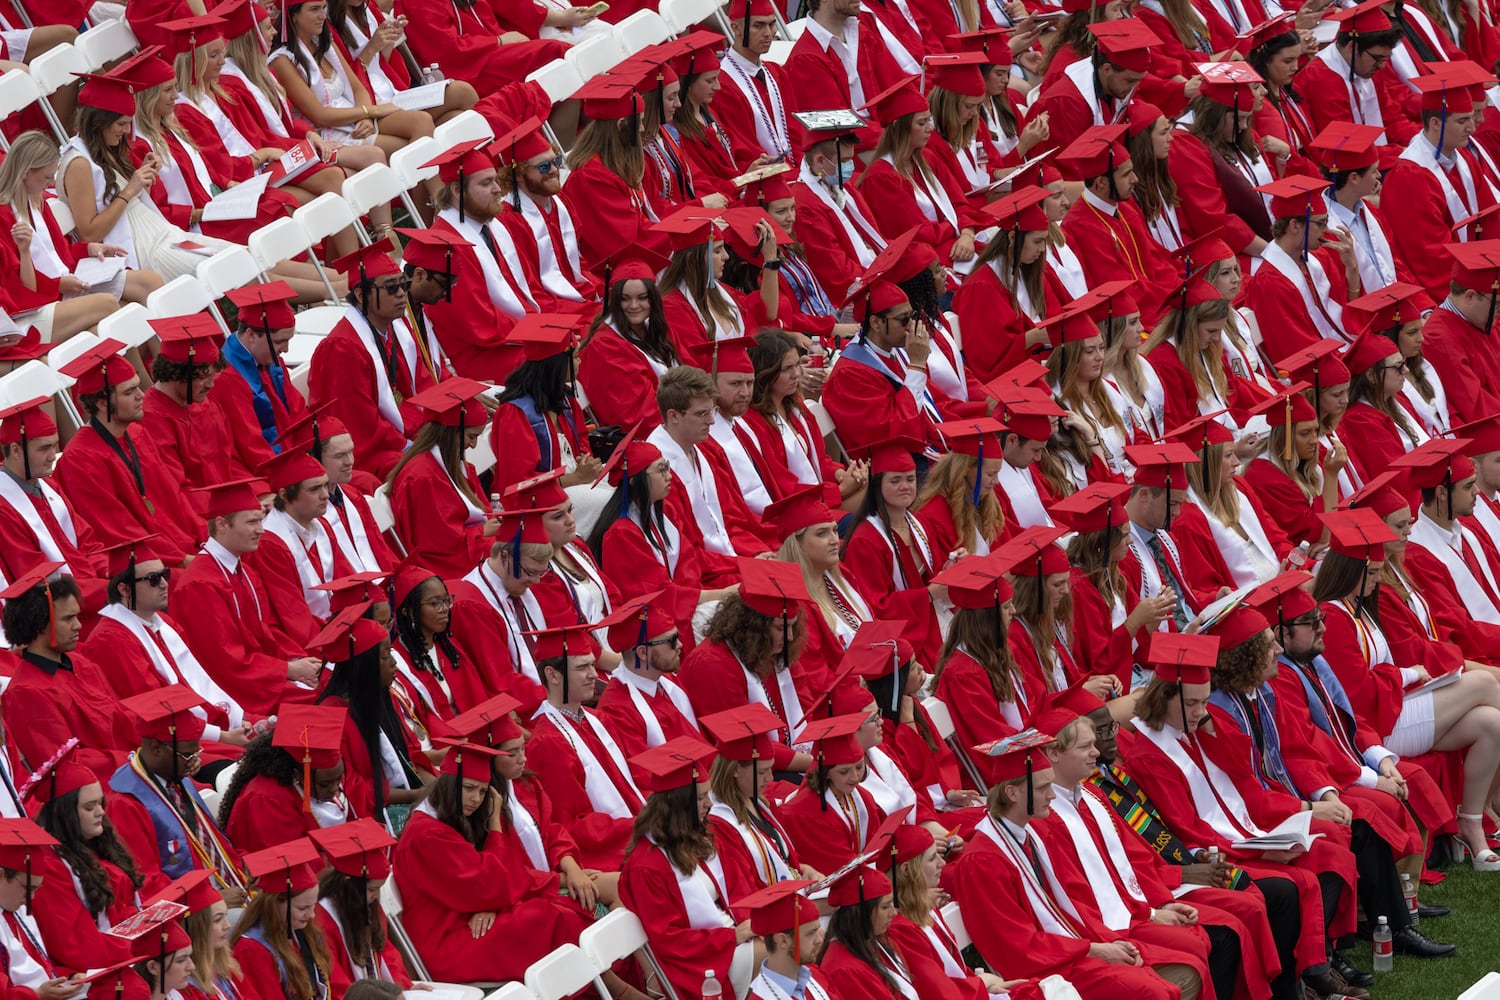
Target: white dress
146	235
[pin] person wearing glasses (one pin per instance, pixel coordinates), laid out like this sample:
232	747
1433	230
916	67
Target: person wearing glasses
431	666
530	178
1376	428
642	705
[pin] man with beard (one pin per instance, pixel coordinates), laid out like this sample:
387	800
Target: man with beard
734	378
491	285
530	176
642	705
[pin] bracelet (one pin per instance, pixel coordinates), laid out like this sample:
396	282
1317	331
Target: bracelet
921	368
773	265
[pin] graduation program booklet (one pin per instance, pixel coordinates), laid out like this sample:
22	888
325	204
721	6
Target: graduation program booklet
1292	832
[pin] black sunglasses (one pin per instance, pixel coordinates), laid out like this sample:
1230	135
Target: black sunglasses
156	579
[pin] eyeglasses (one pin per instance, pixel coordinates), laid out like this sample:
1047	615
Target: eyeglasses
1108	729
399	285
547	166
439	603
1316	621
156	579
675	639
188	758
531	573
1400	366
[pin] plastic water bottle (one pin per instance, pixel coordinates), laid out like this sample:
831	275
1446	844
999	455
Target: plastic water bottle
495	503
1297	558
1409	893
432	74
1384	950
711	990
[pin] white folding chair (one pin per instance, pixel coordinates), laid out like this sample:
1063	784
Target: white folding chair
1487	988
620	935
282	239
227	270
385	518
390	904
58	358
643	28
129	324
951	318
63	214
466	126
30	380
594	55
955	921
183	296
373	186
210	799
299	378
563	972
779	50
938	712
682	15
224	777
559	78
407	163
825	424
299	351
53	70
104	43
18	91
794	29
512	991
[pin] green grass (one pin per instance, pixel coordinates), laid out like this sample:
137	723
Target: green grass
1474	926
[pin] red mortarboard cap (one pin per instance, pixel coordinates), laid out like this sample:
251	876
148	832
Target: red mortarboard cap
1020	210
756	8
1483	435
1161	465
467	159
356	588
564	640
189	339
973	436
64	777
372	261
409	576
763	185
289	868
1265	31
718	357
166	714
1034	552
1200	433
896	101
224	499
1140	116
543	335
158	938
1319	362
289	468
1200	251
884	262
1359	534
1097	506
1295	196
312	734
148	68
797	511
1433	463
431	249
1394	305
911	842
453	402
743	733
1236	627
107	92
638	620
957	72
1473	225
185	34
1027	413
1126	42
916	258
1288	408
32	578
992	43
358	849
1283	598
1449	86
862	884
240	17
523	142
883	296
195	890
1476	265
543	492
26	418
1077	700
527	522
22	842
634	262
608	98
1098	151
976	582
833	739
467	761
1361	19
779	908
742	235
1192	291
1020	755
1229	84
1073	323
348	634
265	306
1367	351
631	457
691	226
698	52
772	587
1384	494
681	761
1346	146
1181	658
491	722
99	364
895	454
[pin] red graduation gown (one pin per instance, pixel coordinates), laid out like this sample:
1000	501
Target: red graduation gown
47	288
285	599
715	682
893	200
233	640
867	406
194	442
822	836
608	213
836	263
527	244
341	966
618	713
360	773
470	328
982	302
619	381
1466	360
45	709
260	969
602	839
231	396
488	651
1326	97
815	78
20	552
925	965
872	568
431	518
648	886
1285	502
1115	245
70	932
639	568
742	871
103	492
733	111
1426	220
773	450
126	666
518	450
267	813
465	45
1202	208
964	686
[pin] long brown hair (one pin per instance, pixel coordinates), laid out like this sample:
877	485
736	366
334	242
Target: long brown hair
670	820
1094	403
770	347
1092	552
615	144
688	269
1217	491
209	963
896	142
1033	608
1211	120
449	442
1005	247
1154	187
59	817
364	932
267	910
951	481
1205	366
115	162
978	632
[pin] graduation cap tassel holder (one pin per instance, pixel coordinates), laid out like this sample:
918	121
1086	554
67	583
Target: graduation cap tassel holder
1437	154
1288	449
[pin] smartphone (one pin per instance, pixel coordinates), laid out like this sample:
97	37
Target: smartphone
598	8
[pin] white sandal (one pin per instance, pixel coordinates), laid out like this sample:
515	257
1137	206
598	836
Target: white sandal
1484	860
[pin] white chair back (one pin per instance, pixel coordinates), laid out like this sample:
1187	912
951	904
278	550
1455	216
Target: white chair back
466	126
106	42
1487	988
63	214
682	15
130	325
276	241
638	30
323	216
617	936
57	67
390	904
955	921
228	269
779	50
559	78
375	185
563	972
31	380
954	331
182	296
595	54
18	91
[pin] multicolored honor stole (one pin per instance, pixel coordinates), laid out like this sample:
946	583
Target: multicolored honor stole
1130	803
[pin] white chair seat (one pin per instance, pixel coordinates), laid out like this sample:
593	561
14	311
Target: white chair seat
407	161
780	49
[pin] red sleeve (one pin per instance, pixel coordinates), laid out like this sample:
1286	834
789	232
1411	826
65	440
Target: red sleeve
1284	502
1202	208
983	303
470	329
430	517
648	886
965	688
998	917
343	376
866	407
277	567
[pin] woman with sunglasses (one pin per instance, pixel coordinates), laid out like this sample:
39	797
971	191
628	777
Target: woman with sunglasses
1377	428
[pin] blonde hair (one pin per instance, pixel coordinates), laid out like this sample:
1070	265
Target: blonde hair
30	151
1216	490
1205	366
817	583
947	111
951	481
1306	473
1062	373
912	891
209	963
251	61
154	129
689	270
191	66
896	142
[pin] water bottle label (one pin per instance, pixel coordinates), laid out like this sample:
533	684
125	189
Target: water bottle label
1384	948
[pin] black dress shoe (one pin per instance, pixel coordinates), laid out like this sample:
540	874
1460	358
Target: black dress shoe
1349	973
1410	941
1330	983
1425	911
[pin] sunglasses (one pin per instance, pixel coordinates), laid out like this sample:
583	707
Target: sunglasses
156	579
675	639
547	166
399	285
